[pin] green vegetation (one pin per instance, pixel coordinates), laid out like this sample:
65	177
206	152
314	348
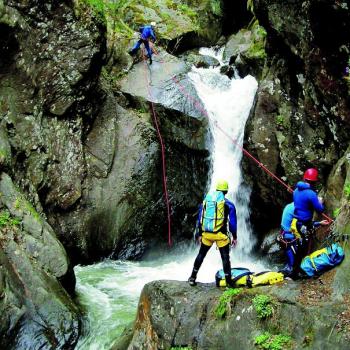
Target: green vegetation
263	306
257	49
347	190
6	220
273	342
225	300
280	120
336	212
24	205
181	348
111	13
216	7
250	6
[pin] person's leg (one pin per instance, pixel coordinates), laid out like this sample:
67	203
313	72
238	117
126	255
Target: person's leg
149	50
203	250
226	264
135	47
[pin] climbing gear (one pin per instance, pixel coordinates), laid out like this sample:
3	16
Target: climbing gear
219	238
222	185
238	277
322	260
294	229
162	147
213	212
263	278
311	174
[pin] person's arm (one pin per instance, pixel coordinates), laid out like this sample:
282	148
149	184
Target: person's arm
152	35
318	206
232	219
198	234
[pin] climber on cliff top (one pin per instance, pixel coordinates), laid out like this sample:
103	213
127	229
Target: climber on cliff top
146	34
216	215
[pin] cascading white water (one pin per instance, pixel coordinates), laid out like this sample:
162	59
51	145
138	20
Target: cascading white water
228	103
109	290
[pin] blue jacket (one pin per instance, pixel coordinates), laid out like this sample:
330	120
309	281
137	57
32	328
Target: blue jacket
306	202
287	217
230	214
147	32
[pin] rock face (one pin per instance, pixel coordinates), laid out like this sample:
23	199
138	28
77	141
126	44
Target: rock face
301	116
313	313
36	311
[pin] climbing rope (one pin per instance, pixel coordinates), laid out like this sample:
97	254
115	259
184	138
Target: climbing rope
200	108
164	176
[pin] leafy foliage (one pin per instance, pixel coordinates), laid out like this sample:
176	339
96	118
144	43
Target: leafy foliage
6	220
273	342
263	306
347	190
180	348
224	300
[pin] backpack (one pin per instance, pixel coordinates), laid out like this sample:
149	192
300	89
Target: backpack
238	275
213	212
322	260
263	278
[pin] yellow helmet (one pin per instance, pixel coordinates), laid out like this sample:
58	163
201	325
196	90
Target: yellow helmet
222	185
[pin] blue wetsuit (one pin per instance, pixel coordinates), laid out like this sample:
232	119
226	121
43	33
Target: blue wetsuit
288	236
146	34
306	202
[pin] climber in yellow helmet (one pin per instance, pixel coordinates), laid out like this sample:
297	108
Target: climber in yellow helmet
217	216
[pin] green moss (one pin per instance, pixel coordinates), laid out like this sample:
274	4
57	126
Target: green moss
336	212
181	348
24	205
273	342
257	49
280	120
225	300
6	220
263	306
347	190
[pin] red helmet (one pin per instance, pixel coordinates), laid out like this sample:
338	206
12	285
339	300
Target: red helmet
311	174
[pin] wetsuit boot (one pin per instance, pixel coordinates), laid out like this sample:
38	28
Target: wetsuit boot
192	280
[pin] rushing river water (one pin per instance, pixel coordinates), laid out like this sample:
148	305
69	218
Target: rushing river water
109	290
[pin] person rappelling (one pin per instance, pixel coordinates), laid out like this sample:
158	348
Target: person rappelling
216	219
146	34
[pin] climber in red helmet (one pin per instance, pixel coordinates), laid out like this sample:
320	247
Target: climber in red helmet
306	202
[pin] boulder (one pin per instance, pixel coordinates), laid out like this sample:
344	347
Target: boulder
37	312
310	313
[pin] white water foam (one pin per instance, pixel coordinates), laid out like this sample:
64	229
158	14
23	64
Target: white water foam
110	290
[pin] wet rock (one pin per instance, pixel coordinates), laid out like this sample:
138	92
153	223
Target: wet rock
36	310
301	114
172	313
200	61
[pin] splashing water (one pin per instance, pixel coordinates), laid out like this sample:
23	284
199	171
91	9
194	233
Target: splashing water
110	290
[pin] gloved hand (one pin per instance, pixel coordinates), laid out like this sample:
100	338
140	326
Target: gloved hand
234	242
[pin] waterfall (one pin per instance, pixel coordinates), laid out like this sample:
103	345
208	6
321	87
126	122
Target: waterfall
110	290
228	103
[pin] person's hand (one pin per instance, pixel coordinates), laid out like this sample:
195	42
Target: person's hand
234	242
199	240
320	199
324	222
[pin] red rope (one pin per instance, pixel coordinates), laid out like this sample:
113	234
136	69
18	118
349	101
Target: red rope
164	176
215	123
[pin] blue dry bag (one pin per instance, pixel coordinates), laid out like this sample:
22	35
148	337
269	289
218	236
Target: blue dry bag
322	260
